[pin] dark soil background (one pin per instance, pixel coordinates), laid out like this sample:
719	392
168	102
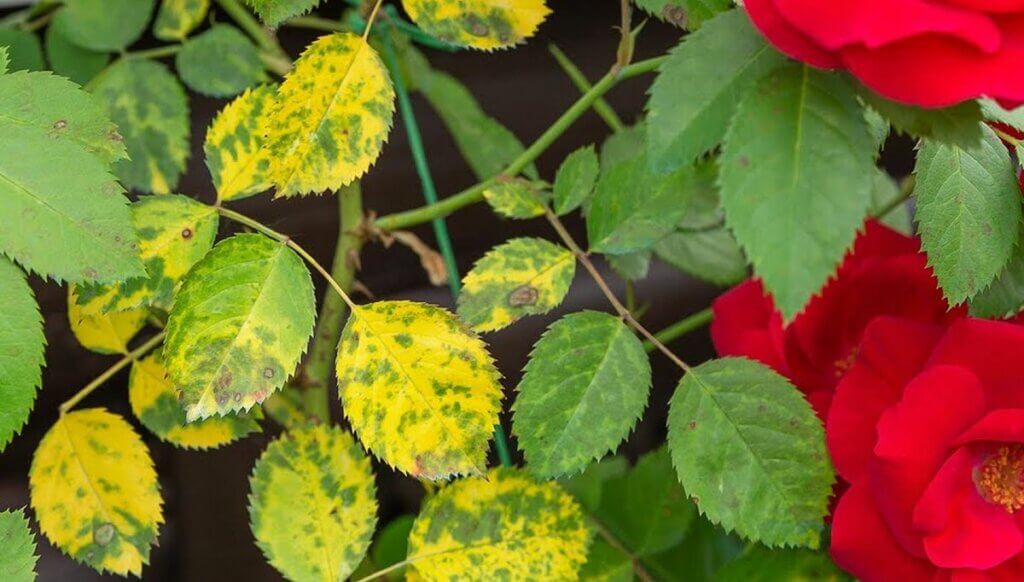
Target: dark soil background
207	537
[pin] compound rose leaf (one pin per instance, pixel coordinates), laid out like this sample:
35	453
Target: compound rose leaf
239	325
750	452
95	492
419	388
523	276
313	504
154	401
332	116
504	522
479	24
583	390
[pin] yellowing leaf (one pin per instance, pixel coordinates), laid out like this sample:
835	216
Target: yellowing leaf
505	523
524	276
155	403
177	18
313	504
95	492
481	24
106	333
419	388
234	143
332	116
174	233
240	323
516	198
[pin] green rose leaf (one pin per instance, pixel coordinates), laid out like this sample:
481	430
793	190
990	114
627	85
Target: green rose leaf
796	183
103	25
22	347
220	62
583	390
969	212
17	547
72	226
700	85
750	452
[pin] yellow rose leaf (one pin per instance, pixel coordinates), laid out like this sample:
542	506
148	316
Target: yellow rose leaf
95	492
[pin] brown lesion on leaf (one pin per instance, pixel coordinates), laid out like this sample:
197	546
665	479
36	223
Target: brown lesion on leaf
675	15
523	296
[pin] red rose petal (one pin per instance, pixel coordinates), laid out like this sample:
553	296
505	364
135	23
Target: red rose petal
993	350
879	240
742	325
952	72
787	38
993	6
961	529
863	545
872	23
937	406
892	352
1005	425
914	438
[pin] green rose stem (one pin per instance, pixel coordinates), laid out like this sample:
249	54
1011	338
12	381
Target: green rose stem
475	193
621	309
314	376
681	328
601	106
130	357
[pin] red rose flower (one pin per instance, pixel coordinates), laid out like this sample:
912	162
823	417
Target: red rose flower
928	429
885	274
931	53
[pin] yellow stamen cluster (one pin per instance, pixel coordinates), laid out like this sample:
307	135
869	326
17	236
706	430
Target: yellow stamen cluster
1000	478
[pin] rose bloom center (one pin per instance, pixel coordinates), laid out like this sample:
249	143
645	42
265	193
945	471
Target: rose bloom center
1000	477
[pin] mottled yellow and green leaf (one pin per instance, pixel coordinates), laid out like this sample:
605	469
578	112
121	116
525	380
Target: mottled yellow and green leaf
177	18
174	233
332	116
155	402
524	276
313	504
95	493
505	526
481	24
106	333
240	322
516	197
234	145
150	108
419	388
